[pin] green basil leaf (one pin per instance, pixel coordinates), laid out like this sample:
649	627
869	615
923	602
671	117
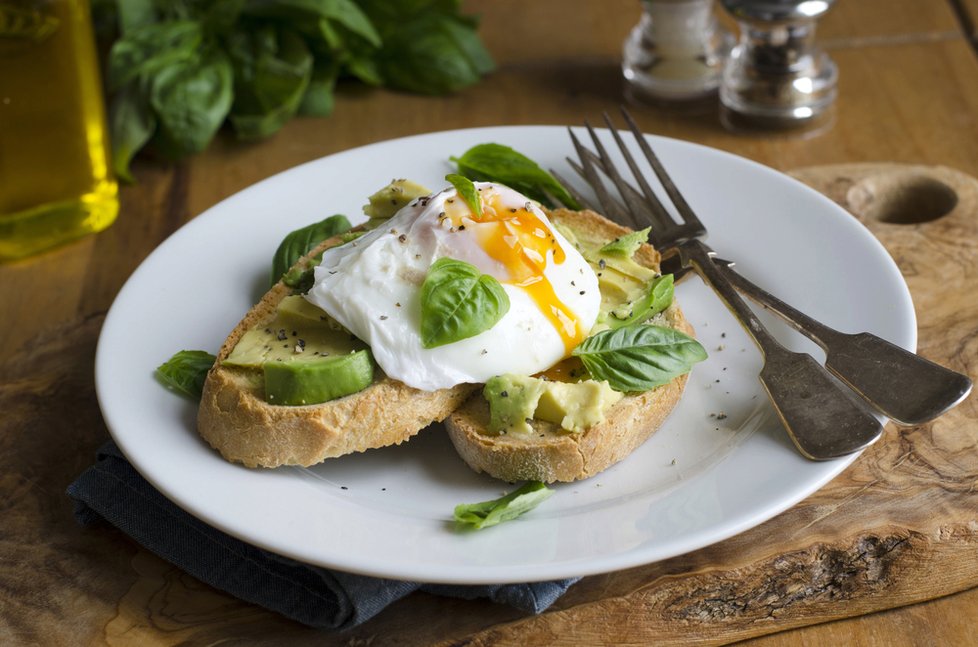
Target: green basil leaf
489	513
132	123
462	31
134	14
152	48
186	371
426	49
318	100
363	67
191	99
342	12
639	357
270	82
498	163
299	243
348	14
466	189
628	244
220	16
657	298
457	302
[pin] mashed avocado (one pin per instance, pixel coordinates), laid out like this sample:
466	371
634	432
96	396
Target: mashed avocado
576	406
630	292
512	402
392	198
515	400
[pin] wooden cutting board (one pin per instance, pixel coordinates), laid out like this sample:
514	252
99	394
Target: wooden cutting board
899	526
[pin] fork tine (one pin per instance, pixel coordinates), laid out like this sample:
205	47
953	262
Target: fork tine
609	204
574	193
634	220
647	201
634	201
660	172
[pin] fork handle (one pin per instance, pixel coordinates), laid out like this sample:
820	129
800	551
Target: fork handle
906	387
823	418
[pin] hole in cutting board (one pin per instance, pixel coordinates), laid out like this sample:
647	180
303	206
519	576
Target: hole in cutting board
902	197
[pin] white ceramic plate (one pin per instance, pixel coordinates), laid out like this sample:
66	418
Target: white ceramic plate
720	465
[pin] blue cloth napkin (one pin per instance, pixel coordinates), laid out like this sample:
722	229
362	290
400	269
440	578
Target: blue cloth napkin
113	490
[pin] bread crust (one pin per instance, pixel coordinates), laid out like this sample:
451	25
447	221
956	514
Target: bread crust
550	454
236	421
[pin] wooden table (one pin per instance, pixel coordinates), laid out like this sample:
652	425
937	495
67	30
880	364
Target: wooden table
908	94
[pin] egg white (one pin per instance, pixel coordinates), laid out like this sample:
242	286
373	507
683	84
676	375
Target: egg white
372	287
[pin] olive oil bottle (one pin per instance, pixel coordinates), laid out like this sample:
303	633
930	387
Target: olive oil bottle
56	183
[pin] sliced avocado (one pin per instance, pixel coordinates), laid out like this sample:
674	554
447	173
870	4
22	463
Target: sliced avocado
299	332
576	406
298	310
304	355
393	197
321	380
512	401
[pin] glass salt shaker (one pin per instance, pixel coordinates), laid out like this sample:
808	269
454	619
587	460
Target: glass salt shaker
675	53
777	77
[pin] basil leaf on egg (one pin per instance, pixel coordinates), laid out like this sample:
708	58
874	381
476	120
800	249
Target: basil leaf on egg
186	371
466	189
458	302
639	357
298	243
498	163
489	513
628	244
657	298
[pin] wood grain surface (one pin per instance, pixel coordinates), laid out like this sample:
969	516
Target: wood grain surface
897	528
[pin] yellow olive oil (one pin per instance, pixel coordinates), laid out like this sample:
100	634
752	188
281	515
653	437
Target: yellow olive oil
56	182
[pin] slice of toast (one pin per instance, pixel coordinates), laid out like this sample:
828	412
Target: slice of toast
549	453
235	419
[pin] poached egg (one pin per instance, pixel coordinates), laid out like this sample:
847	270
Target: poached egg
372	286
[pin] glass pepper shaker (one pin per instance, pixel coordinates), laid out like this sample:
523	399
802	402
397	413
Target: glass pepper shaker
675	52
777	76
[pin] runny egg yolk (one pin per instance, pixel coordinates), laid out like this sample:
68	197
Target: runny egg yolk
520	240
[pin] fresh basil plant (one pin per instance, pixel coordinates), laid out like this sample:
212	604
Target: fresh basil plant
178	70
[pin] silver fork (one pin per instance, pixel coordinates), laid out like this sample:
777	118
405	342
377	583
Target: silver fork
823	419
